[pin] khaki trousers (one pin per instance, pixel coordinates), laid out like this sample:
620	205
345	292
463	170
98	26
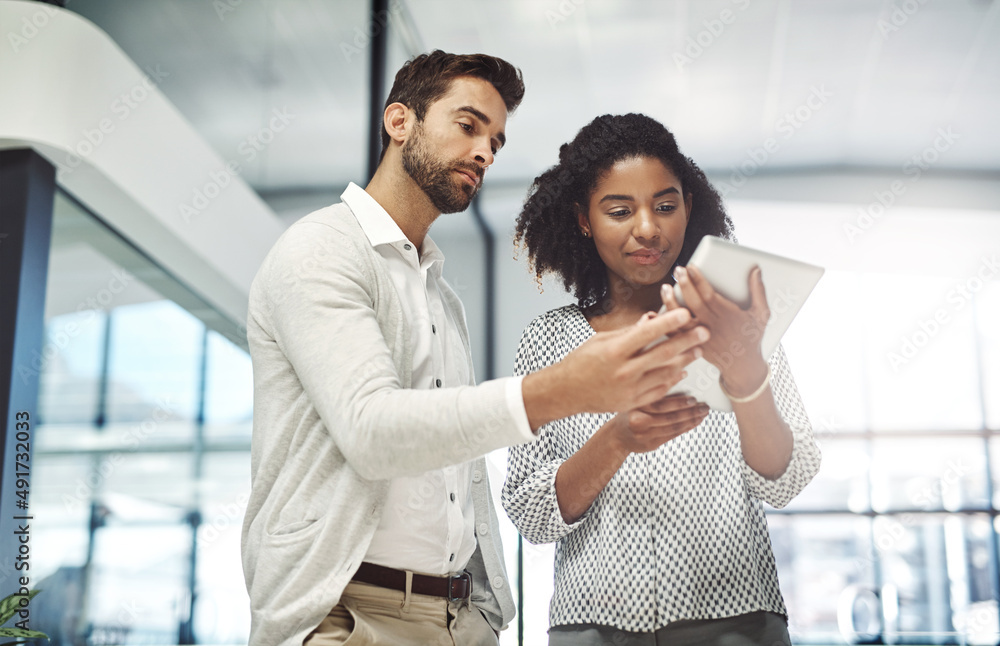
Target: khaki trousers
369	615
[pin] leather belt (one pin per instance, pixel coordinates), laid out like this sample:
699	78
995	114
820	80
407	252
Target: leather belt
452	588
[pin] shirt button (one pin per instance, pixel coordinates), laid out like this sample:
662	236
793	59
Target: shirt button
453	497
407	247
498	582
437	382
483	529
477	476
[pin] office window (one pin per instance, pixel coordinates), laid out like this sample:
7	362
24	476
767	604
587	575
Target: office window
141	461
895	359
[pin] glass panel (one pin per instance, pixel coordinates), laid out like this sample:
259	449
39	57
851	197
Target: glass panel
937	580
68	437
222	613
137	588
988	328
61	490
56	610
70	367
536	601
994	444
228	389
823	561
830	376
977	618
920	355
929	473
537	562
154	363
61	493
125	456
154	486
537	588
151	434
842	481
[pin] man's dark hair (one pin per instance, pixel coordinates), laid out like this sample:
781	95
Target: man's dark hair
548	227
427	77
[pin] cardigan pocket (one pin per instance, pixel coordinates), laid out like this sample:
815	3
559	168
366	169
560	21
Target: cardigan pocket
287	573
294	531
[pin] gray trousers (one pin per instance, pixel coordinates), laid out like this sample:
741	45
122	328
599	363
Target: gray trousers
752	629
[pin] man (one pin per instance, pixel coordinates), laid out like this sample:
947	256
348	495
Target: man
370	514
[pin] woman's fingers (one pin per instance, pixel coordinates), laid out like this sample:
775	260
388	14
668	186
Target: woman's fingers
696	411
698	293
670	303
662	375
671	403
675	429
649	430
758	295
649	329
677	351
668	297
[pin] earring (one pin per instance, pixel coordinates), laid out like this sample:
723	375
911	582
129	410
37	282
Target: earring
585	232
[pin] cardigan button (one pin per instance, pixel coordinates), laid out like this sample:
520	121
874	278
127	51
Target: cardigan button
498	582
483	529
477	476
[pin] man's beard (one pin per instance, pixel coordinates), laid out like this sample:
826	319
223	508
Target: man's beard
436	177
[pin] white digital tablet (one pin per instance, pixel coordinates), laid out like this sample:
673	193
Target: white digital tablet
727	267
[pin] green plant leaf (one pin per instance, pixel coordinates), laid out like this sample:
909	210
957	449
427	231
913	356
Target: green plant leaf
11	604
21	632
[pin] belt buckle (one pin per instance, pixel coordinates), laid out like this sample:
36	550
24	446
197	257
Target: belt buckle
464	576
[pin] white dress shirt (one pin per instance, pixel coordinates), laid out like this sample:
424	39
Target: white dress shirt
428	521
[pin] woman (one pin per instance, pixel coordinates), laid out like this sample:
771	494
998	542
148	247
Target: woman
657	513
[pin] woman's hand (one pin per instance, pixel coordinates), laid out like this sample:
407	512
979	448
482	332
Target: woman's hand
734	345
648	428
734	348
582	477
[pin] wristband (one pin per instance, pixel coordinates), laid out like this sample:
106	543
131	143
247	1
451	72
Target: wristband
752	396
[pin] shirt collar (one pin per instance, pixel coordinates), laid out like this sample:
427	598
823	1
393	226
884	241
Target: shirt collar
379	226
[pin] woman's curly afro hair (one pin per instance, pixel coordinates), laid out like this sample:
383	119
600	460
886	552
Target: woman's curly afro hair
548	227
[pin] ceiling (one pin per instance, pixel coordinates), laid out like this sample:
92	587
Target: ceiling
851	84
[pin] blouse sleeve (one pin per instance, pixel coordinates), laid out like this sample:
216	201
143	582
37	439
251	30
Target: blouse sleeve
805	460
529	491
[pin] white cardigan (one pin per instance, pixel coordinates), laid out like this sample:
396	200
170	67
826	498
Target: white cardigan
334	417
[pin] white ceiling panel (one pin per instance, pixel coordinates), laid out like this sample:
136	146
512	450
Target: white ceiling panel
848	84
